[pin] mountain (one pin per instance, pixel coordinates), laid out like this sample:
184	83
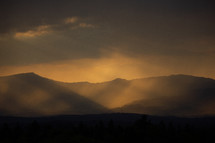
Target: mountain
29	94
109	94
180	95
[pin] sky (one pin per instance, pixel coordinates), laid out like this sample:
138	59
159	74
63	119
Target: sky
99	40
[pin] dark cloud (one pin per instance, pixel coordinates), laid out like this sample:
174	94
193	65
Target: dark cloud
171	28
24	14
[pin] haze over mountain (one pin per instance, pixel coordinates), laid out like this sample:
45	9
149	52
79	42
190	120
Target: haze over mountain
179	95
111	94
31	95
167	95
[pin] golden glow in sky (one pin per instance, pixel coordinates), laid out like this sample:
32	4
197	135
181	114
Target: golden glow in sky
64	40
92	70
100	69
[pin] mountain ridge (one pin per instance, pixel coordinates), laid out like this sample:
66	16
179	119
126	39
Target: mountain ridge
178	94
115	79
164	95
29	94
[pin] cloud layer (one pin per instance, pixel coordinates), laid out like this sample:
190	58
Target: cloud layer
176	35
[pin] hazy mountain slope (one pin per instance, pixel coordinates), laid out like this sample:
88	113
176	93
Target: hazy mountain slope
29	94
111	94
167	95
176	95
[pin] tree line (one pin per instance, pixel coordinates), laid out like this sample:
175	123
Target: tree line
141	131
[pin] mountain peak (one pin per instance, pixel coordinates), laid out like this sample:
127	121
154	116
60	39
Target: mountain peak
25	76
119	80
28	74
184	76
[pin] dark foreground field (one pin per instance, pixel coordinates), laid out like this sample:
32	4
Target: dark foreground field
106	128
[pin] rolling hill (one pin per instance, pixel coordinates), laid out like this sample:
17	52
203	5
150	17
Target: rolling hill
180	95
29	94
